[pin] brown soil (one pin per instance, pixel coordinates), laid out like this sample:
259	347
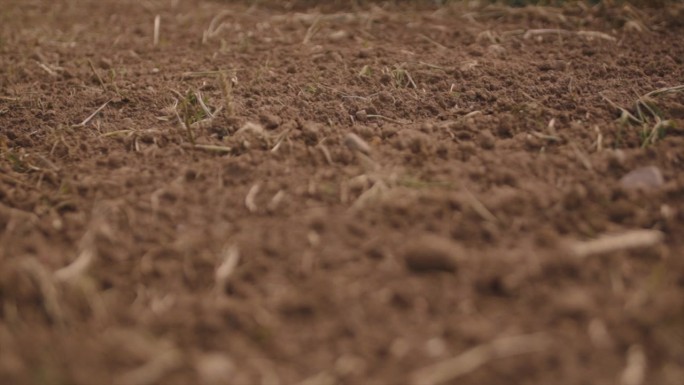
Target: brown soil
444	232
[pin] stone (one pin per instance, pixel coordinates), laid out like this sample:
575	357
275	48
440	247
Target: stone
646	178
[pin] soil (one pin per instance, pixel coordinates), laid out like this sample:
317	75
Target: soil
146	238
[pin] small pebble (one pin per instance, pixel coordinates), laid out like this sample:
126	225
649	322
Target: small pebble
361	115
646	178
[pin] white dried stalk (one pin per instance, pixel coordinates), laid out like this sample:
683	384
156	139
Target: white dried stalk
635	239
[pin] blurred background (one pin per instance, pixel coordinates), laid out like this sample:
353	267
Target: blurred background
293	4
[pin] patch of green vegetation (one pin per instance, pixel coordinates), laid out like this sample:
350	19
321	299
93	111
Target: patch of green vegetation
17	164
651	135
311	89
366	71
190	109
648	115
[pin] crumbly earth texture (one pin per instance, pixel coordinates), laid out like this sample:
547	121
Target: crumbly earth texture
182	201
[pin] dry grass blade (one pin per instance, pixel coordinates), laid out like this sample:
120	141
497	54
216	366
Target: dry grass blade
97	75
666	90
432	41
626	114
635	239
275	201
157	25
582	156
311	31
214	27
47	69
91	116
589	34
480	208
453	368
208	147
229	261
204	107
117	133
251	197
227	93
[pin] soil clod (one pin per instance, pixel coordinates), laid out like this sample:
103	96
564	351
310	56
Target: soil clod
433	253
